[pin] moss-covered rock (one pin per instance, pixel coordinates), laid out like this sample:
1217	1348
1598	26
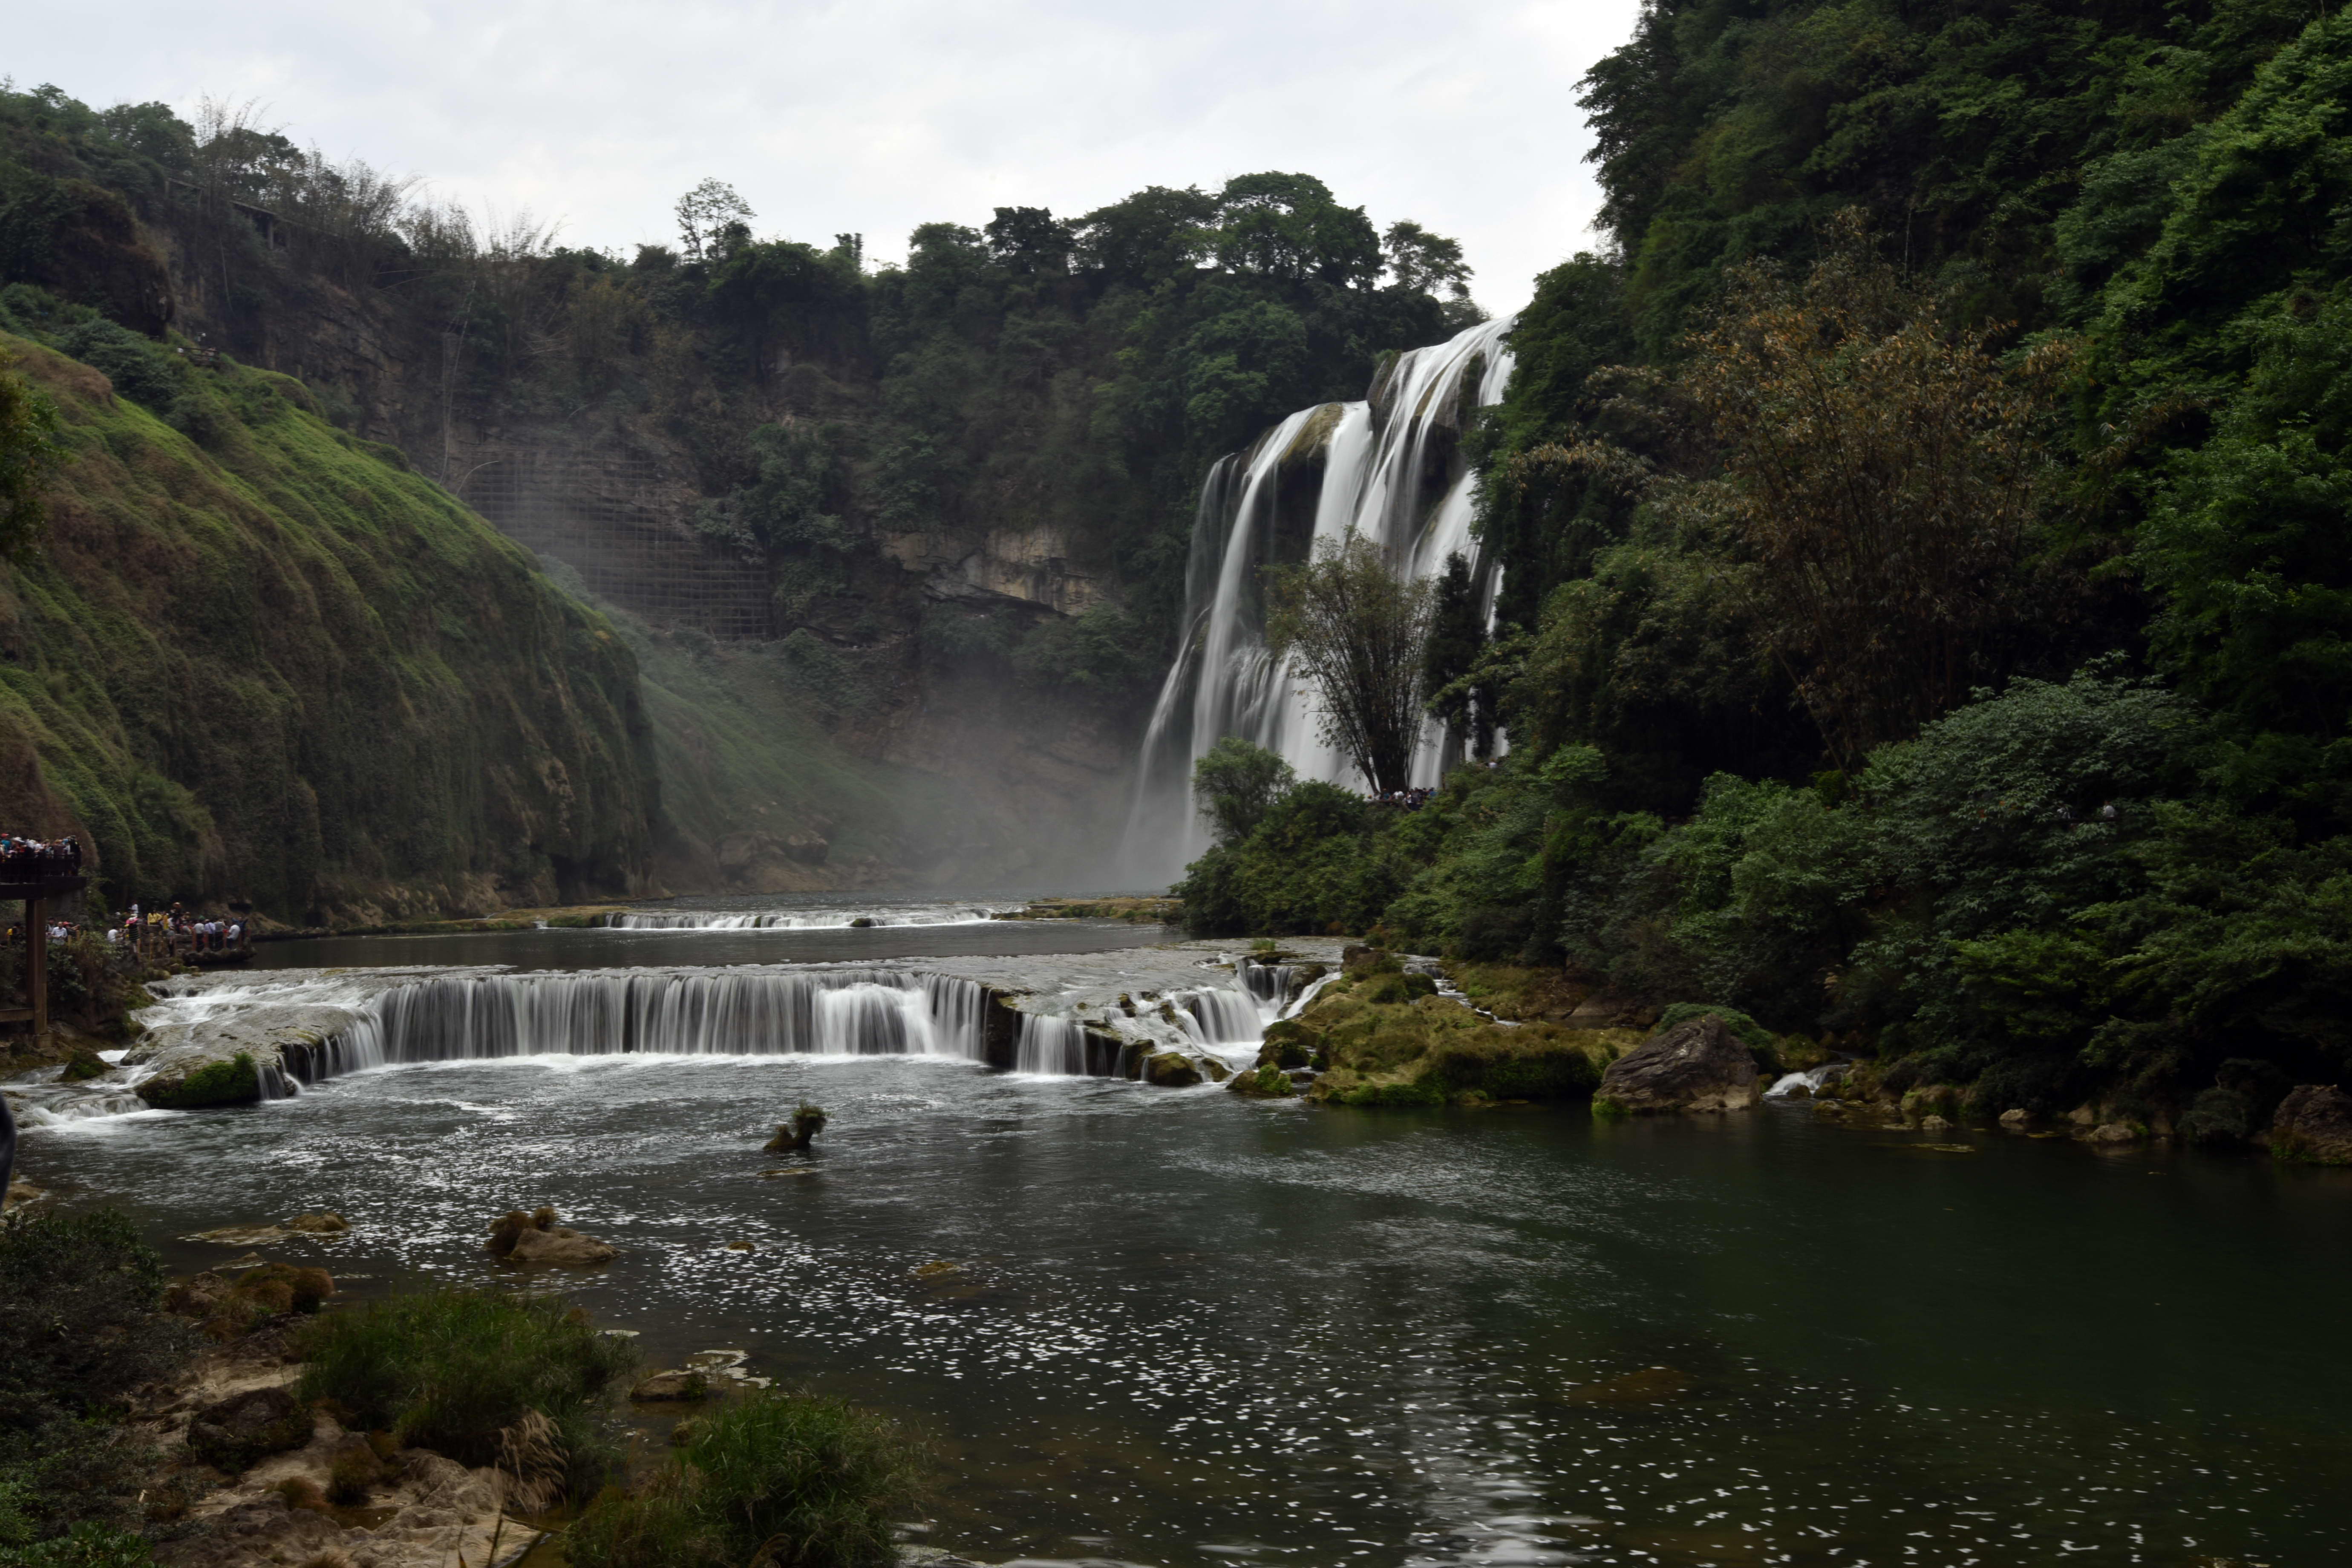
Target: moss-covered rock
1379	1042
1262	1083
236	1081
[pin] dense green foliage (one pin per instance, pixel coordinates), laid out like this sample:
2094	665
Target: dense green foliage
450	1370
255	657
1925	611
788	1478
78	1312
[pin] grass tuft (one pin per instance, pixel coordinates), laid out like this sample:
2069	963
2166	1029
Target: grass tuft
779	1479
453	1370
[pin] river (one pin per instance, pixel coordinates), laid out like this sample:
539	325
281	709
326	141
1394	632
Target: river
1184	1328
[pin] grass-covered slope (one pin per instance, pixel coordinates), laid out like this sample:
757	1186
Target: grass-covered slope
268	663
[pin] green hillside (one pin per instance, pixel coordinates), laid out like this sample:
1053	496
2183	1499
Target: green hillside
257	659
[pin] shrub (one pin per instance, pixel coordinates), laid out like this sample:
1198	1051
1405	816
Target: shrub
450	1370
786	1478
78	1313
80	1328
88	1545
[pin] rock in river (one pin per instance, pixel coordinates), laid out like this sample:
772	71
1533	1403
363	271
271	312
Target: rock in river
2313	1122
536	1238
1697	1065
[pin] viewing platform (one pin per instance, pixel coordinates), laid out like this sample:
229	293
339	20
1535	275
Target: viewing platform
36	885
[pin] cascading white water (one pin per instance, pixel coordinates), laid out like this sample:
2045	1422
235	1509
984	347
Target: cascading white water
1389	468
1056	1046
1226	1017
737	1013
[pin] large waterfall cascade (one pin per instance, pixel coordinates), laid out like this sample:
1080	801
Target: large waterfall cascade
1388	468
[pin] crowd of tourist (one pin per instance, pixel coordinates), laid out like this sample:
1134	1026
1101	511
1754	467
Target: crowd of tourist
24	858
177	928
1404	799
154	933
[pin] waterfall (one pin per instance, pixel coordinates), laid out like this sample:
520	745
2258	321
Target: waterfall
850	1012
1053	1046
1226	1017
1389	468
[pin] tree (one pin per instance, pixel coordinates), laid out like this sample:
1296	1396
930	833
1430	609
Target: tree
1457	636
1425	262
1289	227
705	213
1236	783
1359	631
1879	475
28	452
1029	239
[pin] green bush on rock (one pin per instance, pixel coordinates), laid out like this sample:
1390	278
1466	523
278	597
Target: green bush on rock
449	1370
779	1479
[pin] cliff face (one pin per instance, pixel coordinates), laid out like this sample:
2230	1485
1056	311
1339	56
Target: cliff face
276	667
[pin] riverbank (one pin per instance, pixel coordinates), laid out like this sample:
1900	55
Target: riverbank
251	1413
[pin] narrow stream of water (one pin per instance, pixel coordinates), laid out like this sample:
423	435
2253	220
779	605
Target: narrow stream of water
1185	1328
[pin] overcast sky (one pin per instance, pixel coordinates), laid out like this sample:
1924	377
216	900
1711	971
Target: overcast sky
879	115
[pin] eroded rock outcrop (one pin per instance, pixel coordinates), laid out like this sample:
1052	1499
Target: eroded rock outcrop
2314	1124
1698	1065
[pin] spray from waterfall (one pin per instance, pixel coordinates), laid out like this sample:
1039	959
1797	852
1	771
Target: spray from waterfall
1389	468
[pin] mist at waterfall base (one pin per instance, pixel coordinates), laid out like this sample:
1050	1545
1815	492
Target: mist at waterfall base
1184	1328
1389	468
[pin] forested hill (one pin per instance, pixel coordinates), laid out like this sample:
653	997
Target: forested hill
1927	619
948	502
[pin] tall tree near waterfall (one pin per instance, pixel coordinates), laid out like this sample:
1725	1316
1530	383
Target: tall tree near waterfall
1360	630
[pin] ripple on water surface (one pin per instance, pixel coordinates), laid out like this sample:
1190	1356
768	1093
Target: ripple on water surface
1175	1327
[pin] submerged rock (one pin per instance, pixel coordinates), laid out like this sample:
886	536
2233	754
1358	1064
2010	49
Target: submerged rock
1699	1064
248	1426
2314	1124
535	1238
326	1221
684	1385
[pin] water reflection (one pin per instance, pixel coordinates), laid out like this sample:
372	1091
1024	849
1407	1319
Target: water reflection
1182	1327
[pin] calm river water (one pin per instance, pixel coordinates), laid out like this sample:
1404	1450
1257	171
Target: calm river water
1184	1328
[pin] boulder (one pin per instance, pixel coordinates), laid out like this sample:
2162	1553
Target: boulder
248	1426
326	1222
2113	1132
2314	1124
1171	1070
807	1122
671	1386
2015	1120
559	1246
536	1238
1699	1064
